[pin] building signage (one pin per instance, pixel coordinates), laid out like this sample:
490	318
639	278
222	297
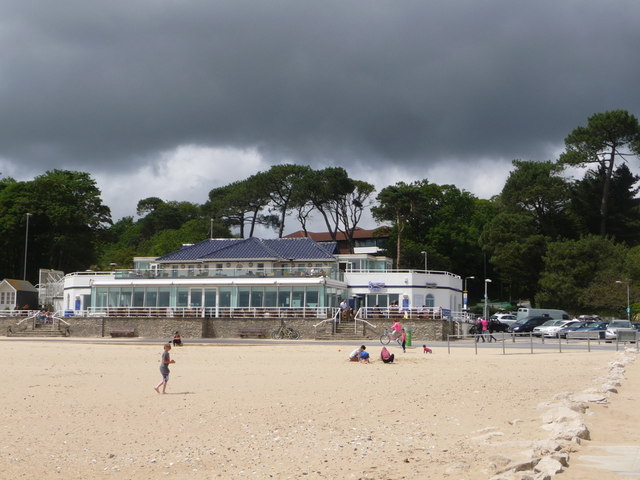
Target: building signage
376	286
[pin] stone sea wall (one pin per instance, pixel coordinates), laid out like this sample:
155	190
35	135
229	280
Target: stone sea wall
164	327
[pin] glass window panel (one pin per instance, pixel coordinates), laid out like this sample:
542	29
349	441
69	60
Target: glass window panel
196	297
243	296
271	297
182	297
297	298
430	300
138	297
114	293
313	294
151	298
210	297
164	297
99	297
257	294
372	300
284	298
225	297
125	298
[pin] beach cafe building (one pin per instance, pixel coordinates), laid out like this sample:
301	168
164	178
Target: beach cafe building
258	278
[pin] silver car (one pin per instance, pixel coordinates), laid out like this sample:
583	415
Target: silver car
553	330
612	330
506	318
541	330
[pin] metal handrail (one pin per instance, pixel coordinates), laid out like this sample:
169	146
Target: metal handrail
436	313
358	316
333	319
30	317
57	316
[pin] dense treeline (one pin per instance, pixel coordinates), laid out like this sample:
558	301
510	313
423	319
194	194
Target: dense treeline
564	243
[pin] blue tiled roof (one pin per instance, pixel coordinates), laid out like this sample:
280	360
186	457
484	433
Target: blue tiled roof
251	249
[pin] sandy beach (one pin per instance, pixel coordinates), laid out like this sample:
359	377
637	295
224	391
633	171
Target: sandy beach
78	410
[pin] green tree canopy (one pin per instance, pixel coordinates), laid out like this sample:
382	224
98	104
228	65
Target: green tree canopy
516	248
580	275
538	189
623	221
67	221
607	137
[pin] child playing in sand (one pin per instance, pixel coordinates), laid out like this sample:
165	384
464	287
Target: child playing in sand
364	357
355	355
426	349
164	368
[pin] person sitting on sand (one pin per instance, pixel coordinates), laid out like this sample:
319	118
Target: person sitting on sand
177	339
386	356
355	355
426	349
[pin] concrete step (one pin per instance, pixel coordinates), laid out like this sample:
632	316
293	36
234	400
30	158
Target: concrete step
340	336
38	333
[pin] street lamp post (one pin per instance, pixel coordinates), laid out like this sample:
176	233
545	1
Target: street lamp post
26	245
425	259
628	299
465	292
487	281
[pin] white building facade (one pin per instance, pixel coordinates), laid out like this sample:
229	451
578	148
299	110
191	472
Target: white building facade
224	277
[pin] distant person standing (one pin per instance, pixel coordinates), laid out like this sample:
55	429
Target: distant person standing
491	327
345	310
478	327
485	328
164	368
403	338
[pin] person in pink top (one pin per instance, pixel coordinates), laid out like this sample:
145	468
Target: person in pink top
396	329
403	337
485	328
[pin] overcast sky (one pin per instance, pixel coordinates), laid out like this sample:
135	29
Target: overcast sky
173	98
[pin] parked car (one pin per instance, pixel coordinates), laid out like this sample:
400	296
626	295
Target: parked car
552	331
562	333
611	333
541	329
589	318
574	331
494	326
527	324
506	318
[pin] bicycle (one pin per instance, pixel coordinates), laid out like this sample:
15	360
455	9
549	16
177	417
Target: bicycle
285	332
389	335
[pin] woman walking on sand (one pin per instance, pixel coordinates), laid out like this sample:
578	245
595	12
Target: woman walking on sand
164	368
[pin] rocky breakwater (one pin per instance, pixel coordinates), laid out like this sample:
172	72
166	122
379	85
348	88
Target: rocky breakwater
565	420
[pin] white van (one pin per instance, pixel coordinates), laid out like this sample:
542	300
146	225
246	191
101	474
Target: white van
542	312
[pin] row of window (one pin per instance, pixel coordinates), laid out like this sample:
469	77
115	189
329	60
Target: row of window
251	296
8	298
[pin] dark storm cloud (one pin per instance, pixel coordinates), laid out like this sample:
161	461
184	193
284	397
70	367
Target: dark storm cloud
408	81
